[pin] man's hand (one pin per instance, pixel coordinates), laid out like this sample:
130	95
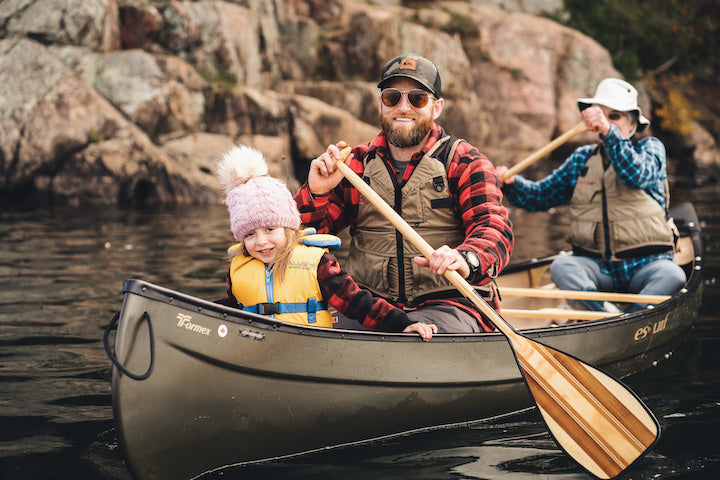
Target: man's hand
445	258
323	175
500	172
596	121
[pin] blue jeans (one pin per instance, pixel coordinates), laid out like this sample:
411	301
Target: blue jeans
571	272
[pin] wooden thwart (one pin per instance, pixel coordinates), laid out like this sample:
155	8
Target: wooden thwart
594	418
582	295
556	313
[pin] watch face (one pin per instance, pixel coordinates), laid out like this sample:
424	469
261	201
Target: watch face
472	259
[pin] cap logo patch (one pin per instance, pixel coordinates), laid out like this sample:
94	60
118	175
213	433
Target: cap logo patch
408	64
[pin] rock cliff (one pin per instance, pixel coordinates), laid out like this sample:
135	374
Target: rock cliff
132	102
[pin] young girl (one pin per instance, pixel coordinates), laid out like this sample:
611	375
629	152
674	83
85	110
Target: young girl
286	273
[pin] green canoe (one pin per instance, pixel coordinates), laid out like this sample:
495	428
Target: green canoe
198	386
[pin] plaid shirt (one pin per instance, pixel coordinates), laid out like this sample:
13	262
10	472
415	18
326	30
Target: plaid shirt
473	186
640	165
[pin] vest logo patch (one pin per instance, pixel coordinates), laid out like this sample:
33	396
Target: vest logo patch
301	265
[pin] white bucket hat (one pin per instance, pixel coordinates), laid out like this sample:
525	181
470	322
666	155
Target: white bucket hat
618	95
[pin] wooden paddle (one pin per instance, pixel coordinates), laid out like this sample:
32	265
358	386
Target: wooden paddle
596	419
534	157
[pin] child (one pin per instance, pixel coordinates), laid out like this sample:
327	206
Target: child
284	272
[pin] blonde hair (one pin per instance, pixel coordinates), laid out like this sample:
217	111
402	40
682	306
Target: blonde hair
283	260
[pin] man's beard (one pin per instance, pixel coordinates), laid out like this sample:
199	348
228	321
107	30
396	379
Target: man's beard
403	138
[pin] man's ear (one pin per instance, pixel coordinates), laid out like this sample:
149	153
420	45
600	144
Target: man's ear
437	107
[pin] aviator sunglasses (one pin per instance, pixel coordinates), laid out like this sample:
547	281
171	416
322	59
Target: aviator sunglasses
391	96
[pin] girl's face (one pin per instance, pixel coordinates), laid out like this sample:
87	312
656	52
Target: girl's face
266	243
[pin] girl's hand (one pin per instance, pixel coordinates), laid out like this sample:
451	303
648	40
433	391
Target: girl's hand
425	330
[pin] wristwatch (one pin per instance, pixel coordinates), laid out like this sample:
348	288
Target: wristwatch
472	260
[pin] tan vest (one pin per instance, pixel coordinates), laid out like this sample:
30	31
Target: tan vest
377	249
612	221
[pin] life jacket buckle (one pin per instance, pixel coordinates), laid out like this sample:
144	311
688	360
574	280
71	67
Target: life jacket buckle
268	308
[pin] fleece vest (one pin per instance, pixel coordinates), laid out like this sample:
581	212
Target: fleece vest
611	221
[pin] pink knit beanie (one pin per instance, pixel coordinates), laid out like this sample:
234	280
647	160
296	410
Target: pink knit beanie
254	199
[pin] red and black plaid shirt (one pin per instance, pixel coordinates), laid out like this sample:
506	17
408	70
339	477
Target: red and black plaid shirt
473	186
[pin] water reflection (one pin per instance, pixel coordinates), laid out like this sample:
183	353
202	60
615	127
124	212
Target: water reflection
61	274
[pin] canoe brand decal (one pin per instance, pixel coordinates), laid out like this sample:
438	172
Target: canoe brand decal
184	322
644	332
252	334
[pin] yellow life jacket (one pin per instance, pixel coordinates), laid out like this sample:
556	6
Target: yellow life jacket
296	300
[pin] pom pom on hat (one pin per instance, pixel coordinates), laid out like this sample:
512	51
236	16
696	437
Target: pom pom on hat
254	199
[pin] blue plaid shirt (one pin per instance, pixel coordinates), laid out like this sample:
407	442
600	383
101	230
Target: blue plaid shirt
640	165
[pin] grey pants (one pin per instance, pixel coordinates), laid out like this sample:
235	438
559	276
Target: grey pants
571	272
447	318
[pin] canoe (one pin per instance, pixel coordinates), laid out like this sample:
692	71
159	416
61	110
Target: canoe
198	386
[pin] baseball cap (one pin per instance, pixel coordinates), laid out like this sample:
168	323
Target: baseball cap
415	67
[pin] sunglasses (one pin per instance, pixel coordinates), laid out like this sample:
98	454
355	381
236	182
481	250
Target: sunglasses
391	96
616	115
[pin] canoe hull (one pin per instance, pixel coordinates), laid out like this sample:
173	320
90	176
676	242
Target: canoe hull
230	387
271	390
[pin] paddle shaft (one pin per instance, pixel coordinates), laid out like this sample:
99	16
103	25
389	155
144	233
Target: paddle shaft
595	419
583	295
534	157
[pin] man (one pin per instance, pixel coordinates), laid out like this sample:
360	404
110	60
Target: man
443	187
618	195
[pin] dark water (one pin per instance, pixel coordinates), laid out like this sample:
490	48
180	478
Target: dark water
61	274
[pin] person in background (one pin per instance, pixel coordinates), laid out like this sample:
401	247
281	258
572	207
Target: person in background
618	194
284	272
442	186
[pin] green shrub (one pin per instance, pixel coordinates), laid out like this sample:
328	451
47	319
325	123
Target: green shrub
646	35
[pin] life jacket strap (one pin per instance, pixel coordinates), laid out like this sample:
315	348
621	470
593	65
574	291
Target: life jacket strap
309	307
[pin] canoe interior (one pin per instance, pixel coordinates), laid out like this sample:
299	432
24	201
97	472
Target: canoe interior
536	274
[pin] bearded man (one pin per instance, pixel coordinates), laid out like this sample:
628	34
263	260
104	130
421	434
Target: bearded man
442	186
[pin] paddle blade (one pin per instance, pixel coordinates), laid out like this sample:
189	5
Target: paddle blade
594	418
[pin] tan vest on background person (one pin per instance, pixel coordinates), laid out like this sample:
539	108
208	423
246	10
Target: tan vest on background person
635	223
429	208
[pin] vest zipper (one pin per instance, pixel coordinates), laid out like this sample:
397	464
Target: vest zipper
269	285
606	223
402	294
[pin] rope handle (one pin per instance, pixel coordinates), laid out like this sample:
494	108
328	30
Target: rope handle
113	357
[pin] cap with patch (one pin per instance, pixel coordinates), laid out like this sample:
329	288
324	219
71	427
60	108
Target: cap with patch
415	67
